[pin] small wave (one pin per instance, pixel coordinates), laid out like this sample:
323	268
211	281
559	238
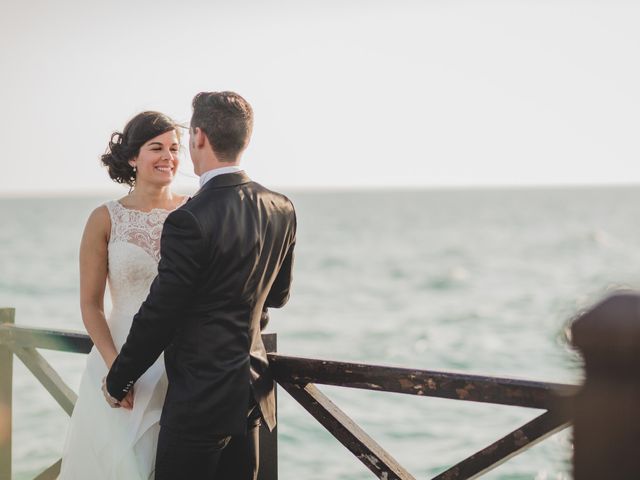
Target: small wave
454	278
459	274
332	262
37	290
397	273
421	345
601	237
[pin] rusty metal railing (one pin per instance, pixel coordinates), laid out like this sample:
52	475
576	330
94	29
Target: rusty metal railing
298	376
605	409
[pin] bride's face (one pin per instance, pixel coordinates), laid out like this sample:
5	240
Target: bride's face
157	162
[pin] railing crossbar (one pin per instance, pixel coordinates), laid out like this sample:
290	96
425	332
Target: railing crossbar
455	386
59	340
51	473
507	447
347	432
48	377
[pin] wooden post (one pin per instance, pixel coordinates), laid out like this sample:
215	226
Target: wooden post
607	409
7	316
269	440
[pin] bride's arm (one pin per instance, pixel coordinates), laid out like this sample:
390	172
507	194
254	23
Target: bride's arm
93	280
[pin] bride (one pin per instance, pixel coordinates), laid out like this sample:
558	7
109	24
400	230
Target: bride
121	246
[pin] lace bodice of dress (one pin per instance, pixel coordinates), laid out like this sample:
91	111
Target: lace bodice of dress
133	255
137	227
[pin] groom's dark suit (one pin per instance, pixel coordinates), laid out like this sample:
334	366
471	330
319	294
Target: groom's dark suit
225	255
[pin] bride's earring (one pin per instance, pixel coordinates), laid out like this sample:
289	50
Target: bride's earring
135	170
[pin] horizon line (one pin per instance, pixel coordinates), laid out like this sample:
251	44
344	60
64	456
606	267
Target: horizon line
339	188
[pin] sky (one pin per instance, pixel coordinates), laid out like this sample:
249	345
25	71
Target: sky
360	93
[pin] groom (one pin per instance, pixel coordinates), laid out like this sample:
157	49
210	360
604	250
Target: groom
226	256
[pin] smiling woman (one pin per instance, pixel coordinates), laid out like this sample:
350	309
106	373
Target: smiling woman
157	160
121	245
138	139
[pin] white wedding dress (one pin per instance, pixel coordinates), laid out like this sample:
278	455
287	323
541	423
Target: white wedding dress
117	444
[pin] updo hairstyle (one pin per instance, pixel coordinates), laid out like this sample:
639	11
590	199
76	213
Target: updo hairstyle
126	145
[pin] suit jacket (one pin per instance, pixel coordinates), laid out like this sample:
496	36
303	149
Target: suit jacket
226	255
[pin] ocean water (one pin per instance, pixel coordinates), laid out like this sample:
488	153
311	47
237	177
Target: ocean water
476	281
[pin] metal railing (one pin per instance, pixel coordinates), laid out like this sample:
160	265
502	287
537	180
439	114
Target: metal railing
605	408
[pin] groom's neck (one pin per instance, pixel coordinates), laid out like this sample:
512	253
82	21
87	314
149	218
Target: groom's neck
214	163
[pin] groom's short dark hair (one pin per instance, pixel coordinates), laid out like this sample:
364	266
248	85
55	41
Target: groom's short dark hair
226	119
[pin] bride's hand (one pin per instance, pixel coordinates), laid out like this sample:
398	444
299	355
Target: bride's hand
113	403
127	401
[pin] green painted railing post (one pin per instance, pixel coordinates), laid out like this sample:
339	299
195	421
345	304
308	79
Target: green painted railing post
7	315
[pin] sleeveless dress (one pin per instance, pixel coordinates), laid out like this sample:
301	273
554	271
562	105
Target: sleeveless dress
105	443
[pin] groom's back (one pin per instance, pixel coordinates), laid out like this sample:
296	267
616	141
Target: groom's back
246	228
247	233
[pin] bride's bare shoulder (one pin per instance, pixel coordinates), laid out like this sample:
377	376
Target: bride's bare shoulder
99	222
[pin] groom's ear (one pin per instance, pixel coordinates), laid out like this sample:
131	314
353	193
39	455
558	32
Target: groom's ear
199	137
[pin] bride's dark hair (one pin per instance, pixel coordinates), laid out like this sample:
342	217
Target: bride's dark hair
126	145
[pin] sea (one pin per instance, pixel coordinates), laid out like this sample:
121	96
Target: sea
480	281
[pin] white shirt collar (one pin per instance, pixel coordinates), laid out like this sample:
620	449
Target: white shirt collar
208	175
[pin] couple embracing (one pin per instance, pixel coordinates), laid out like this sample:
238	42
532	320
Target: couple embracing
191	280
